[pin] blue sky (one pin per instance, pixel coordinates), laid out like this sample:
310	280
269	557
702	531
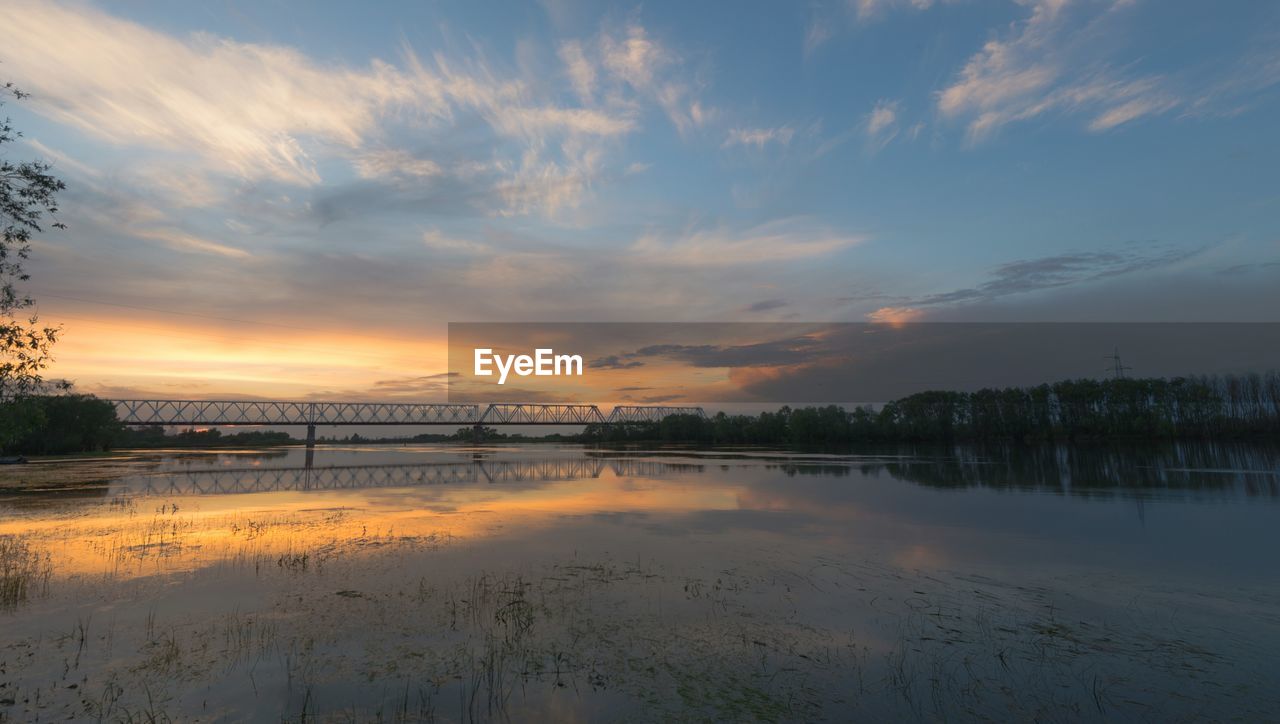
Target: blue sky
246	176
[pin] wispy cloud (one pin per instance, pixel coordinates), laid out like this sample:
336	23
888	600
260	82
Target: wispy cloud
758	137
895	315
394	163
183	241
1059	270
430	386
262	112
794	349
651	70
775	242
250	108
581	72
615	362
882	123
816	34
767	305
436	241
870	9
62	161
1054	60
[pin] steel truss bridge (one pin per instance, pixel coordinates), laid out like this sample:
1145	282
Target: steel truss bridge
310	414
233	481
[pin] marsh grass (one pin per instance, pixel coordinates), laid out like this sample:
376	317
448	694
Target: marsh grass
23	572
357	642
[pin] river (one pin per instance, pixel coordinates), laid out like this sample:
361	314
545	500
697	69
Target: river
424	582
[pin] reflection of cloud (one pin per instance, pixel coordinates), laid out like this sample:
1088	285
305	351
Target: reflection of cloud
920	556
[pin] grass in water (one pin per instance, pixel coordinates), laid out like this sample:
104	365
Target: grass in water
23	572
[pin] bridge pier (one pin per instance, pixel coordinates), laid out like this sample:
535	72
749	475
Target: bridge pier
311	436
477	433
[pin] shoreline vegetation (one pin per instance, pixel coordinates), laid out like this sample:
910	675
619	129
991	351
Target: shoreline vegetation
1230	407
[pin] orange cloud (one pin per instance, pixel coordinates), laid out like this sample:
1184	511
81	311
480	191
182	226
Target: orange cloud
895	315
120	355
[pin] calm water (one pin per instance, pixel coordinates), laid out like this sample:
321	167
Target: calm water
495	583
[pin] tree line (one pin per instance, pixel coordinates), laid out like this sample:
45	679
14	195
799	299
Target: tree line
1184	408
1201	407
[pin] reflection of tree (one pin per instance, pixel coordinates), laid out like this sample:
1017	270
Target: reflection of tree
1082	470
1210	467
1189	468
831	470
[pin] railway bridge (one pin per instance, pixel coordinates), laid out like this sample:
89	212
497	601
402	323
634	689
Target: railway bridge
311	414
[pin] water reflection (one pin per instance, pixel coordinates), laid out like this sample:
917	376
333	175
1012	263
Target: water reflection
1175	470
273	479
547	581
1205	469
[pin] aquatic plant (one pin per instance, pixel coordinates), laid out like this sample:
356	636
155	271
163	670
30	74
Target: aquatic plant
23	571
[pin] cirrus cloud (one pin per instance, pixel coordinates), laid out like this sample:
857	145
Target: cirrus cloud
782	241
1054	60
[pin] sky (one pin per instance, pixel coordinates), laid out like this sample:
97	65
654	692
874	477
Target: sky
292	199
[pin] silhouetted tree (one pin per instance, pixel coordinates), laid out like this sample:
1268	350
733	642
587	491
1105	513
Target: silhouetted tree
65	424
1126	408
27	193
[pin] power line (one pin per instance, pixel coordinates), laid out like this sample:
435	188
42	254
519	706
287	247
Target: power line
1117	366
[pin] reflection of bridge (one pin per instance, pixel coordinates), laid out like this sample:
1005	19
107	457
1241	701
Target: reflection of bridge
261	480
265	412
